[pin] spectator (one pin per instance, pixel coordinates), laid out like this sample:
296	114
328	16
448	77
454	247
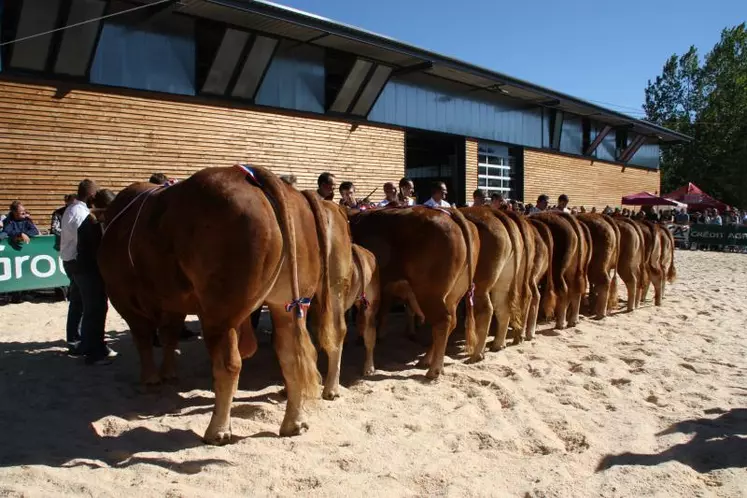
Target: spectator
406	190
682	218
74	216
582	209
438	196
497	201
18	225
478	198
159	179
91	285
542	202
390	195
563	203
57	215
574	210
326	186
715	218
666	216
608	211
593	209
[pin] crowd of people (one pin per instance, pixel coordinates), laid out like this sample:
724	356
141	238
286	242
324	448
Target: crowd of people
78	226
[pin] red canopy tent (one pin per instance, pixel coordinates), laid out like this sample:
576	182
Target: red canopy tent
696	199
647	199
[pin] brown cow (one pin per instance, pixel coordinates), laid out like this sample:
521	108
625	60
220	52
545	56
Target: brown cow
541	275
568	259
184	263
667	271
497	290
352	278
603	262
629	264
426	257
651	258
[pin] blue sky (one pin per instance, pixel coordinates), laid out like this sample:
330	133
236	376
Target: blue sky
604	51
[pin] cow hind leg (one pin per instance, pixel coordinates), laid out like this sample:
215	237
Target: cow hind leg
366	327
612	294
574	308
223	346
441	330
602	297
297	357
334	354
483	310
142	334
657	279
502	314
170	333
533	312
561	308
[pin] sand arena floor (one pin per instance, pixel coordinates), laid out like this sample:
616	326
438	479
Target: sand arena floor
645	404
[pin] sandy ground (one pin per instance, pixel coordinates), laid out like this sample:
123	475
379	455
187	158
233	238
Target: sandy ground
644	404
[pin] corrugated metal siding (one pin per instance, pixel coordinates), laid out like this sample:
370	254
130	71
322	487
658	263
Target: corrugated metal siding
426	103
295	79
647	156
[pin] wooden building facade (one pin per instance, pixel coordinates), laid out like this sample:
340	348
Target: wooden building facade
173	87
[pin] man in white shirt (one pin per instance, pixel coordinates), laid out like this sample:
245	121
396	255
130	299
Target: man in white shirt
406	188
563	204
74	216
542	202
390	195
438	196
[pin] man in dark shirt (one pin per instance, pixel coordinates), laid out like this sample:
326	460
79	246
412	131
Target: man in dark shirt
91	285
18	226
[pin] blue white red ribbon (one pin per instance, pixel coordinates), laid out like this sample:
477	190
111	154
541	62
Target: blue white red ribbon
364	301
471	295
251	176
301	304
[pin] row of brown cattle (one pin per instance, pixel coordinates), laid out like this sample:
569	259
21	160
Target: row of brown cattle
228	240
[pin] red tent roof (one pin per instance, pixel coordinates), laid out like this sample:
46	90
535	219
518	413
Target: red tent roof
696	199
646	199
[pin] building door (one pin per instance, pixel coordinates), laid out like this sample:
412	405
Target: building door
435	157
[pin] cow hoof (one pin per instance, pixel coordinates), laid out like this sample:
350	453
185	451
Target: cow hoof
433	373
423	362
293	429
518	340
368	370
151	380
330	396
475	358
283	393
496	347
218	439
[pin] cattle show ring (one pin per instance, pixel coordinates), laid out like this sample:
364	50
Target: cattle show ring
251	251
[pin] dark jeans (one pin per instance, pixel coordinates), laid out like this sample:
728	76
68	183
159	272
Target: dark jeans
94	306
75	305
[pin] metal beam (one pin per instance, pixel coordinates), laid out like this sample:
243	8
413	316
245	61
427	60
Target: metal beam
372	90
556	128
631	149
598	140
415	68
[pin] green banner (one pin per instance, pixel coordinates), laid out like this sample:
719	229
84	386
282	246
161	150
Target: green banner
36	265
717	235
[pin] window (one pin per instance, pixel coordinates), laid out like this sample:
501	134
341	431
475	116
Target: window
496	170
154	56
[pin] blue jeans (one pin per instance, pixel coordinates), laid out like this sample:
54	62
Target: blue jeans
88	308
75	305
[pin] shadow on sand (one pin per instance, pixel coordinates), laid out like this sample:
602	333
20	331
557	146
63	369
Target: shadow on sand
718	443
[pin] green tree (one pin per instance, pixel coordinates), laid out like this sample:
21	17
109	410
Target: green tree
707	101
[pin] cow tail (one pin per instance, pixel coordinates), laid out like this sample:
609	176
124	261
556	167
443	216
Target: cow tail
612	300
672	271
323	313
469	322
306	374
549	297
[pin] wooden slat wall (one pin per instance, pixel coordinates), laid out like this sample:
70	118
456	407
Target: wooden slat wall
48	144
586	182
470	168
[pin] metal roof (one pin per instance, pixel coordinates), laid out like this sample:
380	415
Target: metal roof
278	20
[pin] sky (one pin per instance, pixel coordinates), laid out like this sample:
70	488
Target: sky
602	51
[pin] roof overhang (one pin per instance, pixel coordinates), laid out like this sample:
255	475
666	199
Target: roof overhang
277	20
